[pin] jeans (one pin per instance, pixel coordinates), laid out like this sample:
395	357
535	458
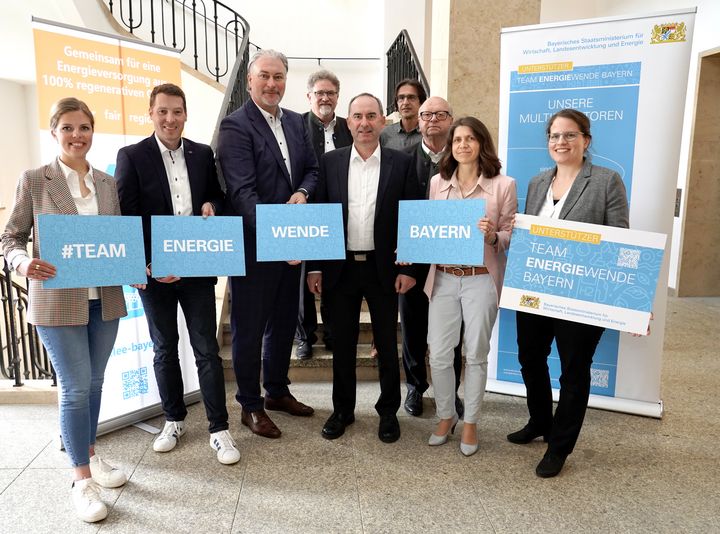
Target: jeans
79	355
196	297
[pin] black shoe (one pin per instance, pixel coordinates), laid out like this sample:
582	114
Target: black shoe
335	426
389	429
304	350
550	465
525	435
459	406
413	402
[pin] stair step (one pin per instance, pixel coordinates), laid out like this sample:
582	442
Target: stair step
319	367
365	335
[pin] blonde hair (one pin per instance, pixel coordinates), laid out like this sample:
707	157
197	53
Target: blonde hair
67	105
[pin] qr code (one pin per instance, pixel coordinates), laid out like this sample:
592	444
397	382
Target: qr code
134	382
599	378
628	257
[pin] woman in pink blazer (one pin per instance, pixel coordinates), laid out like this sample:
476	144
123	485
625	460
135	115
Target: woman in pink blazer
77	326
468	294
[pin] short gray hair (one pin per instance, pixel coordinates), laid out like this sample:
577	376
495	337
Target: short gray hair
323	74
379	103
268	53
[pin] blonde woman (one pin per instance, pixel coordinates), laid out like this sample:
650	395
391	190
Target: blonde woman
77	326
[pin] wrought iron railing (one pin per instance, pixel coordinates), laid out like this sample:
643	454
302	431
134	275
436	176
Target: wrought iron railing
22	355
402	62
208	33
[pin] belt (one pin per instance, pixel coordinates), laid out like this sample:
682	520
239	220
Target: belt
360	255
463	271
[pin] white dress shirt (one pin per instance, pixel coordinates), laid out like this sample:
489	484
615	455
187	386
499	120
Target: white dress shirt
434	157
178	178
363	180
276	127
329	133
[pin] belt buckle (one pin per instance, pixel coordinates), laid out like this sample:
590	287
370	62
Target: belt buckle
458	271
360	257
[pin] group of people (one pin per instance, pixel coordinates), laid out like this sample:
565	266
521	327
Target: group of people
268	154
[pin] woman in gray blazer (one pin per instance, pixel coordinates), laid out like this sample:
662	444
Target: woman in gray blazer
77	326
574	190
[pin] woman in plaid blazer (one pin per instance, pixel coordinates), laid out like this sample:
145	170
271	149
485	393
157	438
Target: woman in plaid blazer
77	326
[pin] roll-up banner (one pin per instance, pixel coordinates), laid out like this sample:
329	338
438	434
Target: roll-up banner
114	77
629	76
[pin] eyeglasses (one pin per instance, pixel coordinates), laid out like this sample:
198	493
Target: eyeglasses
323	94
409	98
439	115
569	137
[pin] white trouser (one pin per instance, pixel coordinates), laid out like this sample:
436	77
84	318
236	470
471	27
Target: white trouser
471	300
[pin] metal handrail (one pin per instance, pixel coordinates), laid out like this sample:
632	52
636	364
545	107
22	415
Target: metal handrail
215	39
22	354
402	63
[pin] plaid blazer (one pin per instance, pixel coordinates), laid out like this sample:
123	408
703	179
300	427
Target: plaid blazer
45	190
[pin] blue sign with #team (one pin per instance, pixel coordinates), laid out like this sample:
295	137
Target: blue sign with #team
288	232
92	251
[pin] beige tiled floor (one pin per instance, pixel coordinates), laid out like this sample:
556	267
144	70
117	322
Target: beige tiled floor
628	474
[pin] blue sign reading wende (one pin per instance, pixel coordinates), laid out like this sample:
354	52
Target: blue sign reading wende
193	246
288	232
441	231
92	250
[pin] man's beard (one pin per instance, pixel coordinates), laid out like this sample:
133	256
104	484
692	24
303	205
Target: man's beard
325	111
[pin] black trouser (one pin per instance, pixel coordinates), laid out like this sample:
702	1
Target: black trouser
360	279
576	345
196	297
414	321
307	315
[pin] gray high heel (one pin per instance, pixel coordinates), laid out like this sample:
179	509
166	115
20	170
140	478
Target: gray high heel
436	440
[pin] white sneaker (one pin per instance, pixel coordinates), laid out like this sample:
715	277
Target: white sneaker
106	475
168	438
86	498
224	444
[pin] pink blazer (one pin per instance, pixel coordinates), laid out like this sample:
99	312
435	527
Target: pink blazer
500	194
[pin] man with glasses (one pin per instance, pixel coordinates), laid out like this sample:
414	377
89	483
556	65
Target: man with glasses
327	132
435	119
409	96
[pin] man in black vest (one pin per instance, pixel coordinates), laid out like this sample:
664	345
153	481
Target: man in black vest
327	132
435	119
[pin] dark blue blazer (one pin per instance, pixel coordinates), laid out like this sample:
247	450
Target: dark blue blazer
253	168
397	182
143	187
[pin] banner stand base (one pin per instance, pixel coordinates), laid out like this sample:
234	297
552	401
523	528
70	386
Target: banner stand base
141	415
601	402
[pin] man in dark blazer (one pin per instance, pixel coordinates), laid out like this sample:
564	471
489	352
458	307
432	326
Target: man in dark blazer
435	119
327	132
266	157
168	175
369	181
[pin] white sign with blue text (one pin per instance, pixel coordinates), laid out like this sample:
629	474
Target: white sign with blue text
92	250
441	231
194	246
587	273
288	232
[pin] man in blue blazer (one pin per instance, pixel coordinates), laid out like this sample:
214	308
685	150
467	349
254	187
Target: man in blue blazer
266	157
369	182
168	175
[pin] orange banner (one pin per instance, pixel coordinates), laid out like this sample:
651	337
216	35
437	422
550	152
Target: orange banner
113	77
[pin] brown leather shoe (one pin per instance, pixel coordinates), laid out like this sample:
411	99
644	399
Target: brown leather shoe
288	404
259	423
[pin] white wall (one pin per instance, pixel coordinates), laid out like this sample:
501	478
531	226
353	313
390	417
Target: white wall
706	37
327	28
